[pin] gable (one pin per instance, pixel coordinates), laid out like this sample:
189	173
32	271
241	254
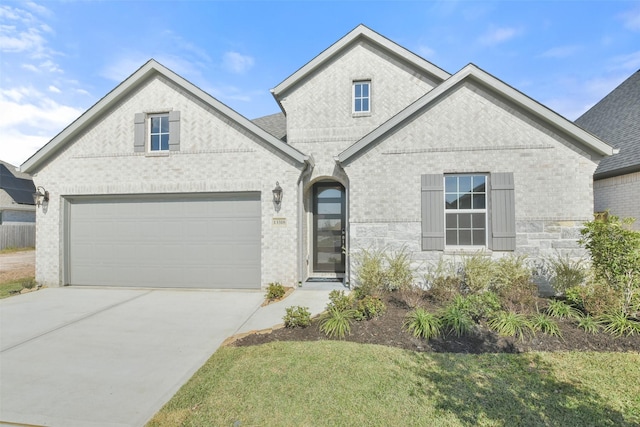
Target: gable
514	102
149	75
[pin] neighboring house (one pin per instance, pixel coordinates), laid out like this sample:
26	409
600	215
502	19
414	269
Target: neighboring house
160	184
616	120
17	210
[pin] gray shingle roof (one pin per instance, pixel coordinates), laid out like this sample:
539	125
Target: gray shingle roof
17	185
616	121
275	124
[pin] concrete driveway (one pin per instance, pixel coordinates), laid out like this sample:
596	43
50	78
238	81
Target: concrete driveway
108	357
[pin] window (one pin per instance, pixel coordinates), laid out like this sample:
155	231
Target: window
468	210
159	132
465	210
362	97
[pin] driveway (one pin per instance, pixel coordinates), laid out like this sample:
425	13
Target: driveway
108	357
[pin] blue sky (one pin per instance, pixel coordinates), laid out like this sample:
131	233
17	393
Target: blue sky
58	58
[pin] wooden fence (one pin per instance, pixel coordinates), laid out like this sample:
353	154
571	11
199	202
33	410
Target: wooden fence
17	236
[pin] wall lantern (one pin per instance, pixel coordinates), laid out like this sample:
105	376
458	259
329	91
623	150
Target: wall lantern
40	196
277	194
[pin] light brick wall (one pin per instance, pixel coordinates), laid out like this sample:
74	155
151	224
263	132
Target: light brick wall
620	195
471	131
215	155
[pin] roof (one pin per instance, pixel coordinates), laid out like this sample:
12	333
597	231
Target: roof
17	185
150	70
491	83
275	124
361	32
616	120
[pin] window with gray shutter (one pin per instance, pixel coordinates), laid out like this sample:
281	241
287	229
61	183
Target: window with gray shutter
432	201
162	133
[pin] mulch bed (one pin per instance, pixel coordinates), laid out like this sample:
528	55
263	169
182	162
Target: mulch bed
387	330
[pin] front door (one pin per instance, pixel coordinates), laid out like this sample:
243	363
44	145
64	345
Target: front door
328	227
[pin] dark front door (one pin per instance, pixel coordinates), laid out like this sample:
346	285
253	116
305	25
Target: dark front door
328	227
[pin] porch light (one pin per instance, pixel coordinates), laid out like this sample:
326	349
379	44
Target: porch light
277	194
40	196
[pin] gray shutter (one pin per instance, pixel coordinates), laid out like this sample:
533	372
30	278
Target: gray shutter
432	202
503	212
139	132
174	131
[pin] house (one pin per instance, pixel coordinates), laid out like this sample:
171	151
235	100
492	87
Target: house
616	120
159	184
17	210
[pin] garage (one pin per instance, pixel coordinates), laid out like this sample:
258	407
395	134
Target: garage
170	241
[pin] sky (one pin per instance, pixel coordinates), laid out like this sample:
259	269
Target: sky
60	57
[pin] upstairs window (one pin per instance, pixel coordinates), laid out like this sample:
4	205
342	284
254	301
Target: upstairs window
159	132
362	97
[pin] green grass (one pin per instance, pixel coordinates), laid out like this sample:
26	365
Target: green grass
331	383
13	285
13	250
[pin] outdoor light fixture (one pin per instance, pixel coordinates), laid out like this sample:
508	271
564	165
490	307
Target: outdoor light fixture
40	196
277	194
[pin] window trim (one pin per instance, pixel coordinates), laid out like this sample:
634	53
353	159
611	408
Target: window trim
485	211
355	83
150	134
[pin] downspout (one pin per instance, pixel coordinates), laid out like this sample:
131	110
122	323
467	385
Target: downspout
308	168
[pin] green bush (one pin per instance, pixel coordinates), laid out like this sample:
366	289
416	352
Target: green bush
456	318
339	301
398	274
274	291
615	255
478	272
589	324
510	324
483	305
297	317
565	273
370	275
421	323
513	284
557	308
443	281
545	324
595	299
337	323
369	307
619	324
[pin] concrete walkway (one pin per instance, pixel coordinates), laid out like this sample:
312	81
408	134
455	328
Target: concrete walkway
112	357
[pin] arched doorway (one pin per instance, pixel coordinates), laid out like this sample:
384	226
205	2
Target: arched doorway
329	227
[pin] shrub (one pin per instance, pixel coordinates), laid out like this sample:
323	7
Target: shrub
565	273
510	324
557	308
615	255
456	318
483	305
545	324
589	324
370	307
443	281
370	271
398	274
619	324
412	296
595	299
336	323
421	323
513	284
339	301
478	272
274	291
297	317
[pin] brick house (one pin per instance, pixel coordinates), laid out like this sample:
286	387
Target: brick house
616	120
160	184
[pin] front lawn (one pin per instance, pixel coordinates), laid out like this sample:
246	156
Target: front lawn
9	287
336	383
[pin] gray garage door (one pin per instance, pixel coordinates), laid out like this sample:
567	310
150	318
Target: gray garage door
191	241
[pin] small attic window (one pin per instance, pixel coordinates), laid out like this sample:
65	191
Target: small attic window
159	132
361	97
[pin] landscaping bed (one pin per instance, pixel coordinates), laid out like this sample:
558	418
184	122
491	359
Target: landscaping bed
387	330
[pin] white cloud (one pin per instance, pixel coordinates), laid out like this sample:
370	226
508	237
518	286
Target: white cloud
54	89
629	62
499	35
237	63
426	51
631	19
560	52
